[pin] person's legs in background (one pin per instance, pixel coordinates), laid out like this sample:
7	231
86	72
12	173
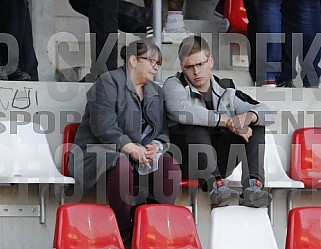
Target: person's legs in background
303	20
269	21
27	59
175	30
309	22
289	52
251	12
15	20
131	19
175	19
81	6
103	23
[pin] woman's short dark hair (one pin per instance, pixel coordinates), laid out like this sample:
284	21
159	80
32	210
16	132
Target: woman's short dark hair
139	48
191	45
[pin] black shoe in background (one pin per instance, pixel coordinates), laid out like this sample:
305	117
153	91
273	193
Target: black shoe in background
285	83
88	78
220	7
18	75
3	76
4	73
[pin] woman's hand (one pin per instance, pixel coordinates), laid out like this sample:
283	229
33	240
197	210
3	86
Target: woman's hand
138	153
152	149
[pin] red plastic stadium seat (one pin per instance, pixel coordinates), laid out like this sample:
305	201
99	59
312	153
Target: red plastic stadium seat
190	183
86	226
304	230
164	226
306	156
235	13
69	138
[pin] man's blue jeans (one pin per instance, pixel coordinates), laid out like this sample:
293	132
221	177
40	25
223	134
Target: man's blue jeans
300	21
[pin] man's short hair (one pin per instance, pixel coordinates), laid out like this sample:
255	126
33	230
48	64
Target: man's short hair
191	45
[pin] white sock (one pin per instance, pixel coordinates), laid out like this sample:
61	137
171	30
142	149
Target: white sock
175	20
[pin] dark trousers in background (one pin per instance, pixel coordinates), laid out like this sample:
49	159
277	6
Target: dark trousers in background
105	18
302	17
251	12
15	20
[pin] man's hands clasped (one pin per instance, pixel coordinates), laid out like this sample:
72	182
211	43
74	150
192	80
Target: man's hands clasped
240	124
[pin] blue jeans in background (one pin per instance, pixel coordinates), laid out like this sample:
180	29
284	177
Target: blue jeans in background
302	17
300	21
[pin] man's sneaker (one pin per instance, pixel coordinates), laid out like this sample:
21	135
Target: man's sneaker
285	83
222	196
254	196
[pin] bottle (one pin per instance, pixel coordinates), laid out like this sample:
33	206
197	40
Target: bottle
145	170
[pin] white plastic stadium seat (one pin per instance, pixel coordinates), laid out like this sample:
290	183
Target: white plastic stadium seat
25	158
240	227
275	176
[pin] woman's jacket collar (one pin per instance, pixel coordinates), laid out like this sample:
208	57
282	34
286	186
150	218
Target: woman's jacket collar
149	88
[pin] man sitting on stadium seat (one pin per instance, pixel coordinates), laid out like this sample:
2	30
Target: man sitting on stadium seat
226	125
